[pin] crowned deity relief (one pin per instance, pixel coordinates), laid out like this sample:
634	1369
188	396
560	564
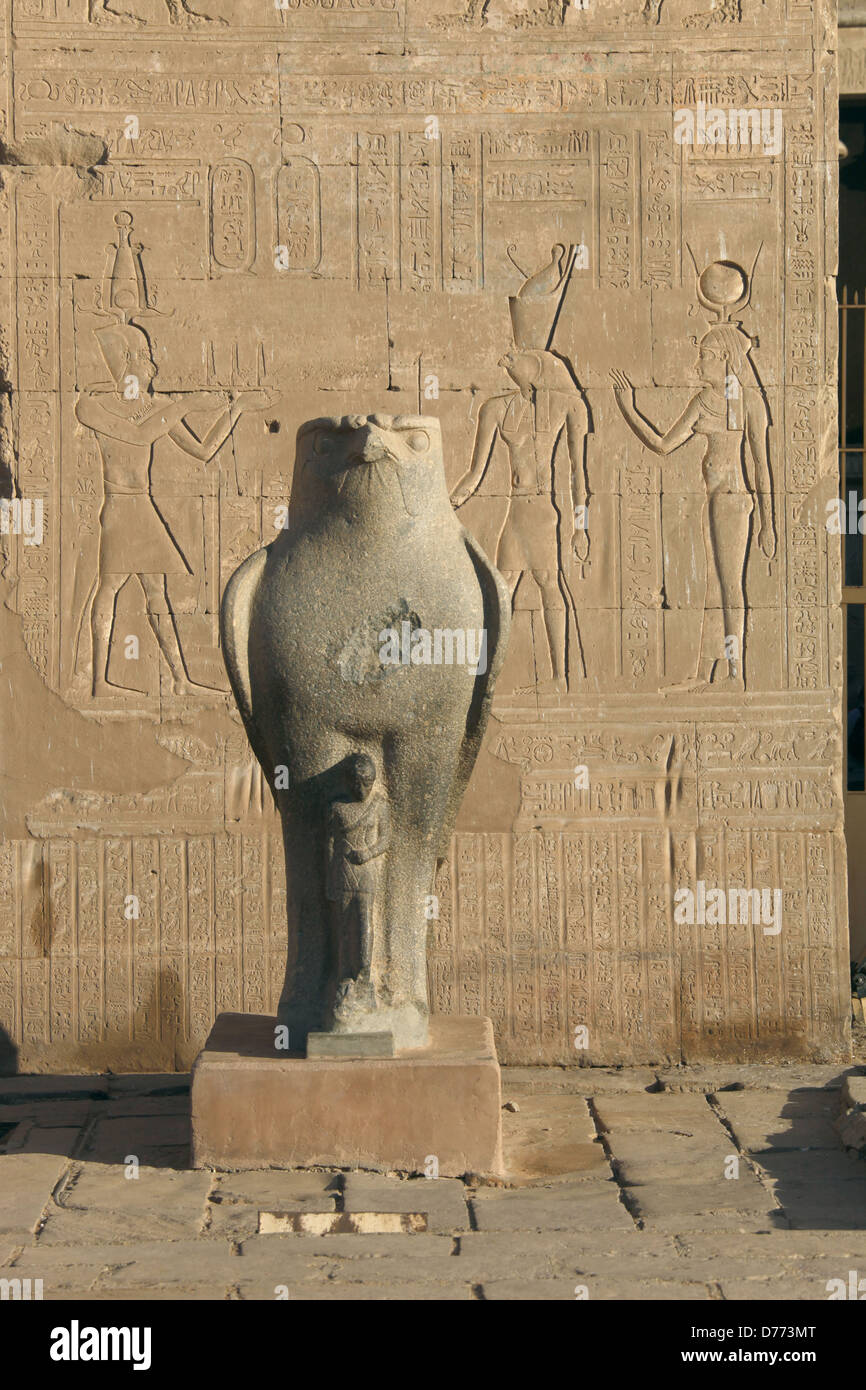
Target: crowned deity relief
128	417
729	412
545	514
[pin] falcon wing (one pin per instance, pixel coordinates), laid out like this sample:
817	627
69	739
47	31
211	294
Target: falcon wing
497	623
235	613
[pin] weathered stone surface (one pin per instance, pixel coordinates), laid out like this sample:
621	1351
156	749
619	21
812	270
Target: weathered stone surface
561	1290
350	1045
582	1081
826	1170
271	1260
781	1246
765	1076
533	1255
181	1234
340	1291
252	1107
26	1184
851	1128
53	1114
688	1206
772	1290
442	1200
112	1139
854	1091
505	216
669	1157
271	1188
552	1136
687	1116
583	1207
236	1201
62	1140
155	1293
100	1204
761	1121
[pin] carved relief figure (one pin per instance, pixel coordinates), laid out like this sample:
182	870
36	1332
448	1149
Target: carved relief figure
720	12
359	832
730	413
128	417
179	12
547	407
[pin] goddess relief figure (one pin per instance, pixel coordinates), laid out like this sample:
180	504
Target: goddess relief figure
729	412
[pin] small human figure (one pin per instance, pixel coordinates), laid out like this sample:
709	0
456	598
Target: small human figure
358	835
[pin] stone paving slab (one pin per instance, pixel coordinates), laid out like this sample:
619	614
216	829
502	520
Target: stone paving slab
442	1200
581	1081
769	1120
236	1200
100	1204
577	1208
784	1245
341	1291
50	1112
359	1259
821	1167
114	1266
148	1083
552	1136
130	1104
155	1293
26	1184
670	1156
757	1290
611	1185
279	1189
756	1076
536	1255
684	1206
45	1085
688	1115
564	1290
36	1139
113	1138
854	1090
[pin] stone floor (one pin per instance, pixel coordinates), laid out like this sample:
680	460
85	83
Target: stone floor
721	1182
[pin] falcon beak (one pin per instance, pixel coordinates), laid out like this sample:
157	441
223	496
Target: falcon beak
372	449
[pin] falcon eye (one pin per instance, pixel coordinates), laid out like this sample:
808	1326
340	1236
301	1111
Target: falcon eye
418	440
322	442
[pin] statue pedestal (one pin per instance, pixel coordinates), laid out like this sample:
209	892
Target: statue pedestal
254	1107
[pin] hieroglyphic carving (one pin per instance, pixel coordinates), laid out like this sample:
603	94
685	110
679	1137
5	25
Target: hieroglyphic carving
233	215
299	213
335	218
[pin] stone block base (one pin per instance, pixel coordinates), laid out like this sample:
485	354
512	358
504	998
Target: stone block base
254	1107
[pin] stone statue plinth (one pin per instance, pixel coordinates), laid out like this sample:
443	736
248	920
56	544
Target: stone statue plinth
256	1107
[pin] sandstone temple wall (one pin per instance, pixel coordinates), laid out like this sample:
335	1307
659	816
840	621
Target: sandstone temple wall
343	205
